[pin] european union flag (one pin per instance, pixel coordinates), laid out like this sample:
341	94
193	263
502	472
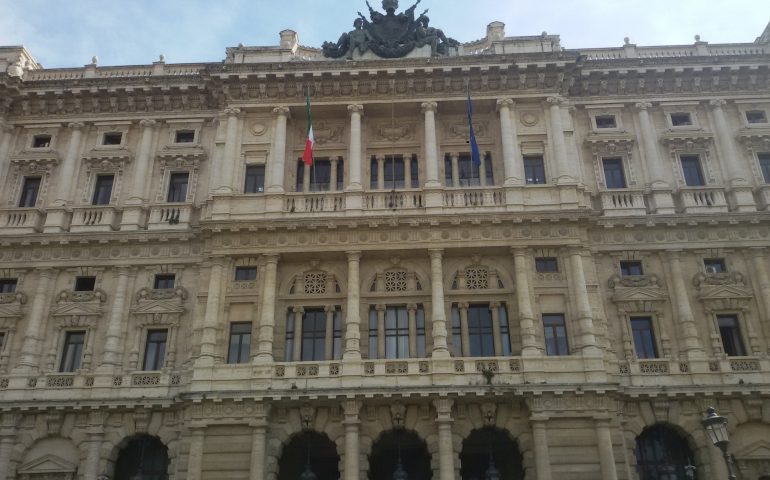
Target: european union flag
475	155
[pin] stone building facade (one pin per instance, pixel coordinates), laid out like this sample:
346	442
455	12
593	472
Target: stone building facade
183	298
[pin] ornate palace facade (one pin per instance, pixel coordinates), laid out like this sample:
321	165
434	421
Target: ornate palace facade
183	298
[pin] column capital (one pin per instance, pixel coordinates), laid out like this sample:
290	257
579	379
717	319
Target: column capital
643	105
412	307
505	103
282	111
231	111
556	100
520	251
299	310
148	123
716	103
380	307
356	108
125	270
429	107
76	125
351	407
217	260
463	305
443	407
494	304
329	308
436	253
271	258
45	272
353	255
758	251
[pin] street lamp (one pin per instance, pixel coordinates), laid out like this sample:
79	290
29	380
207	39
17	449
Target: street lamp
716	427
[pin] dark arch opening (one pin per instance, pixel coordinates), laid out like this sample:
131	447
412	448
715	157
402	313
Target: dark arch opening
490	443
309	449
662	453
404	445
144	457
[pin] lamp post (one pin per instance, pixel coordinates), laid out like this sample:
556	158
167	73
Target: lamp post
716	427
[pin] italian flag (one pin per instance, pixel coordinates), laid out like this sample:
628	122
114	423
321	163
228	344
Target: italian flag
307	155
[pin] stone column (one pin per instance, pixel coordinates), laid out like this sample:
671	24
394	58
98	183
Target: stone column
267	320
93	457
195	456
542	457
735	173
299	312
306	172
142	163
522	267
259	442
512	160
6	448
431	145
683	312
230	156
6	138
561	161
352	446
211	319
412	311
68	172
464	335
333	162
758	261
113	340
353	309
606	454
354	170
438	320
584	310
446	455
659	175
455	159
407	170
329	340
380	330
483	170
278	154
380	172
494	307
30	349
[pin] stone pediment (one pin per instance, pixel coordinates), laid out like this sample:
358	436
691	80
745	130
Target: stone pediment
35	163
159	302
755	137
47	464
115	156
77	310
759	450
637	293
181	156
610	143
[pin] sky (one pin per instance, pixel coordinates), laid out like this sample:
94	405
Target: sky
67	33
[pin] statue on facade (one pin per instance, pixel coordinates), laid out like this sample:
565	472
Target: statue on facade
390	35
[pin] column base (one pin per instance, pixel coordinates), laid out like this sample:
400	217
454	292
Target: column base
354	201
57	219
662	201
514	198
134	218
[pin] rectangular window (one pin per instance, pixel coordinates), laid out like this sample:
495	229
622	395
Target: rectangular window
177	187
644	338
255	179
756	116
546	264
457	332
164	281
72	352
85	284
313	335
534	170
606	121
112	138
244	274
184	136
337	334
2	341
480	331
155	350
288	355
764	165
414	168
714	265
420	321
613	173
29	191
631	267
555	334
731	335
470	174
693	175
103	190
373	329
448	171
396	332
320	175
505	331
240	342
681	119
8	285
41	141
394	172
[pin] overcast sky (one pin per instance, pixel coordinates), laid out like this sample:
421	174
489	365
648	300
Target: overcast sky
66	33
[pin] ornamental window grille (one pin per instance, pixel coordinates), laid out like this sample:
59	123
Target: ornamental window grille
476	278
315	282
395	281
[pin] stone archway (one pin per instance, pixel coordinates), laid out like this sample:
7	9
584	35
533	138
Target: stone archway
490	449
402	448
312	451
662	453
144	457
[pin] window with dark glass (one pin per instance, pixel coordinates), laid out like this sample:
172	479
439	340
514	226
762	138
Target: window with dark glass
606	121
394	172
644	337
8	285
112	138
731	335
756	116
613	173
505	332
29	191
177	187
457	333
41	141
764	165
85	284
396	332
662	454
103	190
288	351
244	274
313	334
631	267
2	340
534	170
240	342
184	136
164	281
420	321
693	174
555	332
255	179
680	119
714	265
546	264
155	350
320	175
373	333
480	331
72	352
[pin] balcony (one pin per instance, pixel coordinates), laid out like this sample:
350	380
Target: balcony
314	202
170	216
616	203
763	198
475	198
394	200
94	219
16	221
702	200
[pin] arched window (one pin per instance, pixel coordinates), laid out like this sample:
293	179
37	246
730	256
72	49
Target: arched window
662	454
488	450
143	458
309	451
399	449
